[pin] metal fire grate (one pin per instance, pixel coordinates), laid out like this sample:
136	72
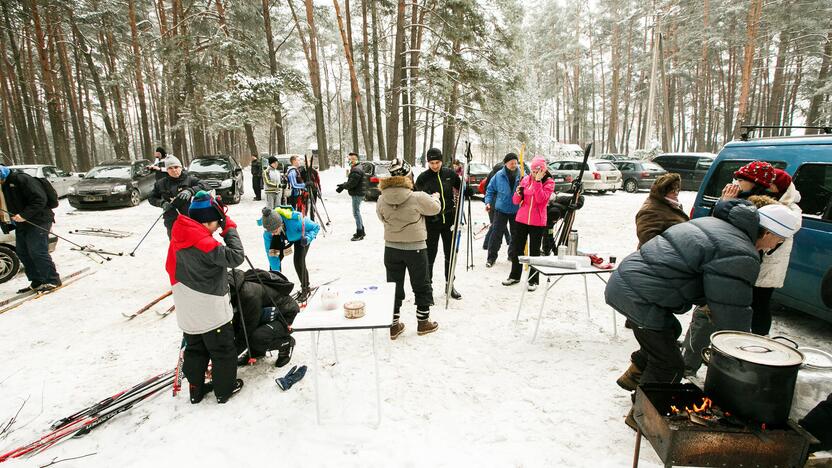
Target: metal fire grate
680	442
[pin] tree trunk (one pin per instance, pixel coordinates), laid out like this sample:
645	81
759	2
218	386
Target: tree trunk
813	115
616	66
315	78
353	115
395	84
76	118
382	149
147	143
24	122
449	122
755	10
356	92
704	79
367	84
277	112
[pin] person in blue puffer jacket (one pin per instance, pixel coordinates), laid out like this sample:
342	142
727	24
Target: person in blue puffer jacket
288	232
498	199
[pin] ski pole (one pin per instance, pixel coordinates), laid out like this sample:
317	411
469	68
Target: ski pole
251	359
81	247
133	253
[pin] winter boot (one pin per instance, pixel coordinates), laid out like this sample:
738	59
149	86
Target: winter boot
31	287
455	294
396	329
630	378
359	235
532	287
510	282
238	385
426	326
198	393
284	354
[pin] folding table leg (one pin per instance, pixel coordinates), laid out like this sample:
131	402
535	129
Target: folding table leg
334	348
614	323
586	293
524	283
317	396
378	382
542	305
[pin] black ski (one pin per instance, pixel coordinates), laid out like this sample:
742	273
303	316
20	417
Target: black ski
569	217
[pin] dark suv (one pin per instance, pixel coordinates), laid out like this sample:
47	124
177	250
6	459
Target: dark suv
223	174
373	171
113	183
692	167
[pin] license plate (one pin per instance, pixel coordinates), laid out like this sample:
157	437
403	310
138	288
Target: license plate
92	198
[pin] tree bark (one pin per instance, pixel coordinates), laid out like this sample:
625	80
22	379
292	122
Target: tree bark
277	112
382	148
395	85
147	143
76	118
24	123
356	92
813	115
755	10
367	84
616	66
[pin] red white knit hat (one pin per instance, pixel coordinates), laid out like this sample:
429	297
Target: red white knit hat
759	172
782	180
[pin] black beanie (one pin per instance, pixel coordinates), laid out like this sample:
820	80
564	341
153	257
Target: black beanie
161	151
272	160
509	157
434	154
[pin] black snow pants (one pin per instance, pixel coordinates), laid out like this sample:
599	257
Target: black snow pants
415	264
664	362
435	232
518	243
218	347
819	423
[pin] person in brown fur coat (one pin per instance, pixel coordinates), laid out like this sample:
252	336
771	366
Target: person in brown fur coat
661	209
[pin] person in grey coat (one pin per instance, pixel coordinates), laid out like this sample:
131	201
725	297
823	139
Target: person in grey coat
713	261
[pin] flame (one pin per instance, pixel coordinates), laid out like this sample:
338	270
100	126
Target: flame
701	408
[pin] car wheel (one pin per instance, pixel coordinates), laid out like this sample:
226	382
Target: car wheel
236	198
9	264
631	186
135	198
601	192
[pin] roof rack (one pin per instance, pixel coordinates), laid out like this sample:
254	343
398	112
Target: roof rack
748	129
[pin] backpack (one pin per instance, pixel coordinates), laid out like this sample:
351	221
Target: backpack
51	194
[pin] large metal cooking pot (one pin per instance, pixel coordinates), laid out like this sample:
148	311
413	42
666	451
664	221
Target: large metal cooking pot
752	376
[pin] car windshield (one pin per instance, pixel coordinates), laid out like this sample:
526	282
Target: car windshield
479	168
32	171
382	170
648	166
724	174
210	165
605	166
109	172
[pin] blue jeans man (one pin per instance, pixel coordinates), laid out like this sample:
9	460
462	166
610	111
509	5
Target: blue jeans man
501	226
32	247
356	213
487	241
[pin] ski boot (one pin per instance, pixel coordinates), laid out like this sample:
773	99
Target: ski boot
284	354
238	385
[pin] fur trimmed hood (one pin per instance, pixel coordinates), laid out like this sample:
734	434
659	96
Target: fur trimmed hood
396	181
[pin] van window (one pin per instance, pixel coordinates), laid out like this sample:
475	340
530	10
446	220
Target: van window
675	163
814	182
626	166
703	164
724	174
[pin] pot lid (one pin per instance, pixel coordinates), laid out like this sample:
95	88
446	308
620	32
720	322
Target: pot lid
817	359
756	349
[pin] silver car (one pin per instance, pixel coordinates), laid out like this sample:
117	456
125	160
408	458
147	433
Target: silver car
599	176
60	179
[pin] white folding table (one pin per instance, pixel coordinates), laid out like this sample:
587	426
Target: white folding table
559	273
378	299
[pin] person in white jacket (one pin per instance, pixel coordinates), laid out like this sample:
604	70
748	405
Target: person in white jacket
775	263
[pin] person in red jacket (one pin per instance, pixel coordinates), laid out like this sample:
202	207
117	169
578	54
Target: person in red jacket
197	265
532	195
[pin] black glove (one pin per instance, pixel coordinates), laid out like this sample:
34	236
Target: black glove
166	206
520	191
340	188
185	195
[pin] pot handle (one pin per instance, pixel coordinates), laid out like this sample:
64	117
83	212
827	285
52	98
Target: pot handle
792	343
706	356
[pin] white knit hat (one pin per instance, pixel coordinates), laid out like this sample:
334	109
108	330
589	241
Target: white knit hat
399	167
779	219
172	161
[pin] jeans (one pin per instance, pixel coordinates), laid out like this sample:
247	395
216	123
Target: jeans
501	224
356	212
487	241
518	244
32	247
664	360
218	347
435	231
697	338
415	264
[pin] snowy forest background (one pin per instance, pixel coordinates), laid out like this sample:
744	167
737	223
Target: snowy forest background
82	81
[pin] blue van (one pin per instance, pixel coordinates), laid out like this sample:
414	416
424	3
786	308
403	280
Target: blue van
809	161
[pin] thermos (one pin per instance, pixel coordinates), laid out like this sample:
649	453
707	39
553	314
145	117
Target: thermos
572	242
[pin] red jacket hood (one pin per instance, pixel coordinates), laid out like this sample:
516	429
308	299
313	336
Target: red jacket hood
187	233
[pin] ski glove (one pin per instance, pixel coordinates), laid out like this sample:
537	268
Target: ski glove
292	377
340	188
166	206
185	195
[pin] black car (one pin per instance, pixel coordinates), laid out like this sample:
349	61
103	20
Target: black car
111	184
373	171
221	173
638	174
692	167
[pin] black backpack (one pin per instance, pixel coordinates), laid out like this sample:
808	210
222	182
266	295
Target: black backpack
51	194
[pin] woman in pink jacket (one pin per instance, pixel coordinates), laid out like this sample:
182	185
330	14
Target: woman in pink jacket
533	196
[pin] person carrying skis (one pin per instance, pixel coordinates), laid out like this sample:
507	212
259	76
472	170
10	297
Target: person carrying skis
356	187
271	182
296	184
532	194
267	310
402	212
173	193
288	232
500	206
25	201
712	260
197	265
441	180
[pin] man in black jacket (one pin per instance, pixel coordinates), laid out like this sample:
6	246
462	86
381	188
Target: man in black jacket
173	193
441	180
356	187
26	204
256	177
258	297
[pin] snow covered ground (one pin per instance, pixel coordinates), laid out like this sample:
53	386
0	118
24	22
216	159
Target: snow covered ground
476	393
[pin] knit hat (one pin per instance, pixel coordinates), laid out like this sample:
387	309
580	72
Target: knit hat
782	180
434	154
538	163
759	172
665	184
779	219
510	157
400	167
161	151
4	172
172	161
203	207
272	160
271	220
